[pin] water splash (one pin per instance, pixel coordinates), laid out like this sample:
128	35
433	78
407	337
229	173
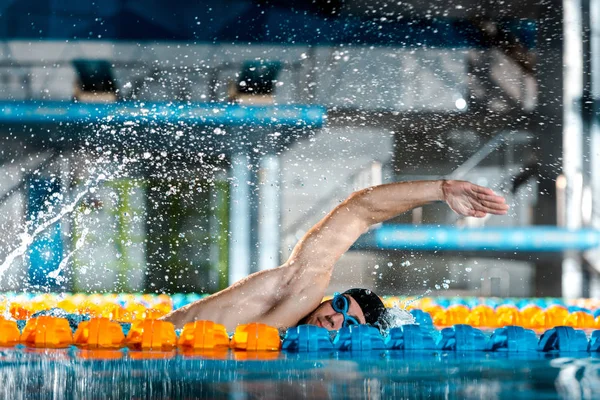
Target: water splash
28	238
396	316
417	298
80	242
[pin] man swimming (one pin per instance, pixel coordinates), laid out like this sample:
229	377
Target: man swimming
291	294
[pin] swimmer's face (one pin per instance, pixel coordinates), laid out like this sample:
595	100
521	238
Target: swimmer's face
328	318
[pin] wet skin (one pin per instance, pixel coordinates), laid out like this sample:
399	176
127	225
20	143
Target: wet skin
326	317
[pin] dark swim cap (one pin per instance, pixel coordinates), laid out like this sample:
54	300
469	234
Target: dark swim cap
369	302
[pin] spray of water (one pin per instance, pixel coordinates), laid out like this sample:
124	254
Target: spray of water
28	238
79	244
417	298
396	316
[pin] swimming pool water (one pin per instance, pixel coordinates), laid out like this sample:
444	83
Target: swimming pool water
73	373
491	363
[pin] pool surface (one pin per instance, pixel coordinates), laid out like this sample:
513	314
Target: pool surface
118	374
475	349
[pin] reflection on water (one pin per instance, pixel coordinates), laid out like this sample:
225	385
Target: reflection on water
85	374
578	378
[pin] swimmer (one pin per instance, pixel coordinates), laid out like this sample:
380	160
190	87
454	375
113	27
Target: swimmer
292	293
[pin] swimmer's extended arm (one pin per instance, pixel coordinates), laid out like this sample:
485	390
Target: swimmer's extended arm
282	296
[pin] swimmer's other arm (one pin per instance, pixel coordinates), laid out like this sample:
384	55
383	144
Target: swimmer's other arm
282	296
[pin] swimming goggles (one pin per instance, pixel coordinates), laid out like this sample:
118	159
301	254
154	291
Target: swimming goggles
341	305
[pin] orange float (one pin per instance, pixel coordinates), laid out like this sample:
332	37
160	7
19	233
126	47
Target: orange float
133	312
453	315
9	332
99	332
41	303
203	335
20	311
151	334
508	315
256	337
45	331
527	314
549	318
557	315
154	313
482	316
433	310
72	304
112	311
580	319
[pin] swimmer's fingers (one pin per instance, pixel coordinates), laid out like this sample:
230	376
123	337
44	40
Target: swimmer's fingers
492	207
493	198
492	201
489	201
468	199
481	190
496	211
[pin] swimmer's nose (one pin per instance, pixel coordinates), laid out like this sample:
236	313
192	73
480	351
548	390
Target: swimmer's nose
338	320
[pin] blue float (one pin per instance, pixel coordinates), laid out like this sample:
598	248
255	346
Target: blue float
563	338
594	344
442	302
192	297
572	309
305	338
410	337
458	301
358	338
179	300
462	337
422	318
513	339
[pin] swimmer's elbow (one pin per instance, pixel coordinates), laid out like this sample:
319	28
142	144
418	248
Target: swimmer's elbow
363	209
299	277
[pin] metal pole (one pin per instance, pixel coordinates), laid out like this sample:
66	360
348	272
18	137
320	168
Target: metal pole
269	212
595	127
572	276
239	218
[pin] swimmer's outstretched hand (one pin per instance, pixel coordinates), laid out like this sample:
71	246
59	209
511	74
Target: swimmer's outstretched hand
470	200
